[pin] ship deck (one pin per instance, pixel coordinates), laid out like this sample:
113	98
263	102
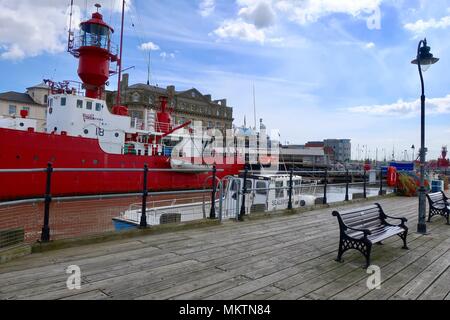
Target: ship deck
285	257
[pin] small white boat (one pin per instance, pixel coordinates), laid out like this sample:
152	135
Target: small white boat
264	193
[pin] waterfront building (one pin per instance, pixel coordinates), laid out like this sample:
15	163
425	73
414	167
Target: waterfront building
296	156
342	149
188	105
34	100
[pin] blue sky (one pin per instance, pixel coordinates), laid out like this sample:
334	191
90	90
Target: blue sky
321	69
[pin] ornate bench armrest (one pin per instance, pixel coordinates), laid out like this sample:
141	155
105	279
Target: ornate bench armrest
366	232
403	220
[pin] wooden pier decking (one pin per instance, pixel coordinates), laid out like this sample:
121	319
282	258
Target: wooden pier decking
286	257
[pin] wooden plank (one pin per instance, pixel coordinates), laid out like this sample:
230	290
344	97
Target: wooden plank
439	290
421	281
258	259
359	289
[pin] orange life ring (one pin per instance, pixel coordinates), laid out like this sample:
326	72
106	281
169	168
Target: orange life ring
392	176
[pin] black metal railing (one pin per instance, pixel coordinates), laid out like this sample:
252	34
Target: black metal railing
48	199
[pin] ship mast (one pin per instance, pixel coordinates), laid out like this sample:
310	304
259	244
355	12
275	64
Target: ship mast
118	98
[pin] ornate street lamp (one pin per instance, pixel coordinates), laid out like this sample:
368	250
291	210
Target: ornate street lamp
424	60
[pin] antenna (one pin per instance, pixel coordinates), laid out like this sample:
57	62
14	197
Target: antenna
148	66
118	99
98	6
254	104
71	34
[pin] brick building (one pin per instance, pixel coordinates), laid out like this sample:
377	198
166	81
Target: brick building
188	105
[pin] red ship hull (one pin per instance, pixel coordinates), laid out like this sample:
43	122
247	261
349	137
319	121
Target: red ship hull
31	150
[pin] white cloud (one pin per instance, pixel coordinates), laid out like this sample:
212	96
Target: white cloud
149	46
420	27
207	7
255	17
405	109
240	29
308	11
370	45
259	13
29	28
166	55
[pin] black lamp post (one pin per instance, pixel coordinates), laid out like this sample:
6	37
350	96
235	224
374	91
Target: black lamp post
424	60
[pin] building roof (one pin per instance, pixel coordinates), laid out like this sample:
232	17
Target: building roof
143	86
41	85
185	94
17	97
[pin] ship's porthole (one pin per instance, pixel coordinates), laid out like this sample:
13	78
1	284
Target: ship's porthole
18	157
117	135
95	162
83	161
21	124
86	131
36	158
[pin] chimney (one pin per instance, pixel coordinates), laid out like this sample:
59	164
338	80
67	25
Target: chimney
125	79
208	96
223	102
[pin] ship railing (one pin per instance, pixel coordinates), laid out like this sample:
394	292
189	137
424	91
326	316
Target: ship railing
326	186
91	40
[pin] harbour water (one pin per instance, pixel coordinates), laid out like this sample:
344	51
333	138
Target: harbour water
337	194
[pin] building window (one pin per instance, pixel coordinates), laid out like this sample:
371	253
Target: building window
89	105
12	110
98	107
45	98
135	97
80	104
63	101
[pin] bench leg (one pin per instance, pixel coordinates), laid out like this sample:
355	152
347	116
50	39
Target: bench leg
404	237
448	219
367	254
341	252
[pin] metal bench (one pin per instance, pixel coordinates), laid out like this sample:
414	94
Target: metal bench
361	228
439	206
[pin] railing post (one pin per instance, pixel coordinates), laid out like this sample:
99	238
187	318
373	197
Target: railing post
325	200
381	182
365	184
45	236
144	199
244	192
347	198
291	185
212	214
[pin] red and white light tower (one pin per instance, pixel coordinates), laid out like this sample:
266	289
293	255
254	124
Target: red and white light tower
95	51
